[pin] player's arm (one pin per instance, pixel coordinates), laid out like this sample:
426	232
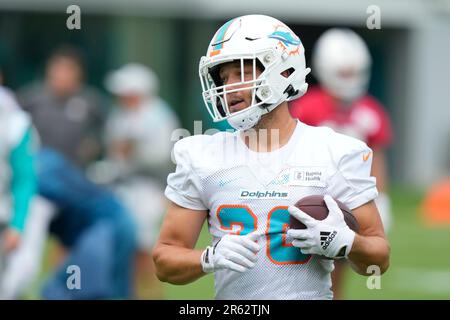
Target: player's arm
178	262
174	255
370	246
23	187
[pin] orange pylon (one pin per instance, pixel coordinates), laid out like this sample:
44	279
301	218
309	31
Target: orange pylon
436	205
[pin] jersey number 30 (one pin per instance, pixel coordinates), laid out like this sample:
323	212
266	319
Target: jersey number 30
277	249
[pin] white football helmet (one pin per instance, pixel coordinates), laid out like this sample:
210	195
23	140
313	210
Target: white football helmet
270	45
341	63
132	78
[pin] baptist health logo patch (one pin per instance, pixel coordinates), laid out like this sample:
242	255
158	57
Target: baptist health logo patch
266	195
308	176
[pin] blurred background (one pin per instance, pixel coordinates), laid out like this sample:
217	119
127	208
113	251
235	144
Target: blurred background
160	43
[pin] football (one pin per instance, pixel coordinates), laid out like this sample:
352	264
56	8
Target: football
315	207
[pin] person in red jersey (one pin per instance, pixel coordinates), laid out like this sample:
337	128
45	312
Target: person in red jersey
342	63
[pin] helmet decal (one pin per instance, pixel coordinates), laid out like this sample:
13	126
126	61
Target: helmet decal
286	39
220	38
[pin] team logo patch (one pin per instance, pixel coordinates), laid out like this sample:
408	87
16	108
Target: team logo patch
260	194
287	40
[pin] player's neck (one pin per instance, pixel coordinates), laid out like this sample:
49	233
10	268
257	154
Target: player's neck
272	132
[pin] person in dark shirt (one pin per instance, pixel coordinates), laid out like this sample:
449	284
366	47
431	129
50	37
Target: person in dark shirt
67	114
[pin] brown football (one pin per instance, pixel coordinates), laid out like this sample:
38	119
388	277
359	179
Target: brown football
315	207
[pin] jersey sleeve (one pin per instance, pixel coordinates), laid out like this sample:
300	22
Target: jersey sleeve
23	182
352	183
184	185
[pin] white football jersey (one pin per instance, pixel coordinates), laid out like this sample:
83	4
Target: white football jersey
246	191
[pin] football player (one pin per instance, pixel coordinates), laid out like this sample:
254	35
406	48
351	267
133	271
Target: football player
342	63
245	183
17	191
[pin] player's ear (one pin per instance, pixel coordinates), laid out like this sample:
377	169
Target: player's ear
286	73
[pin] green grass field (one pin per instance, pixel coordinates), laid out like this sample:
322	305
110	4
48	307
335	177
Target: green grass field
420	261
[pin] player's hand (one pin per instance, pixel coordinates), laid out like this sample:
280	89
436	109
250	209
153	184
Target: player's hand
330	237
11	240
234	252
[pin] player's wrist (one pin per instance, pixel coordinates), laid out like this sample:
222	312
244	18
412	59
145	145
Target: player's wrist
206	260
345	244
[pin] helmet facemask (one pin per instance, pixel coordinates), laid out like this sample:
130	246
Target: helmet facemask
216	94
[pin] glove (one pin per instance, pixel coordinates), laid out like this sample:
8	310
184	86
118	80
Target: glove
234	252
330	237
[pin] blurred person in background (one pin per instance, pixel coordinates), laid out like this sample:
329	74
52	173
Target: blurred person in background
67	113
17	191
342	63
95	229
138	139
